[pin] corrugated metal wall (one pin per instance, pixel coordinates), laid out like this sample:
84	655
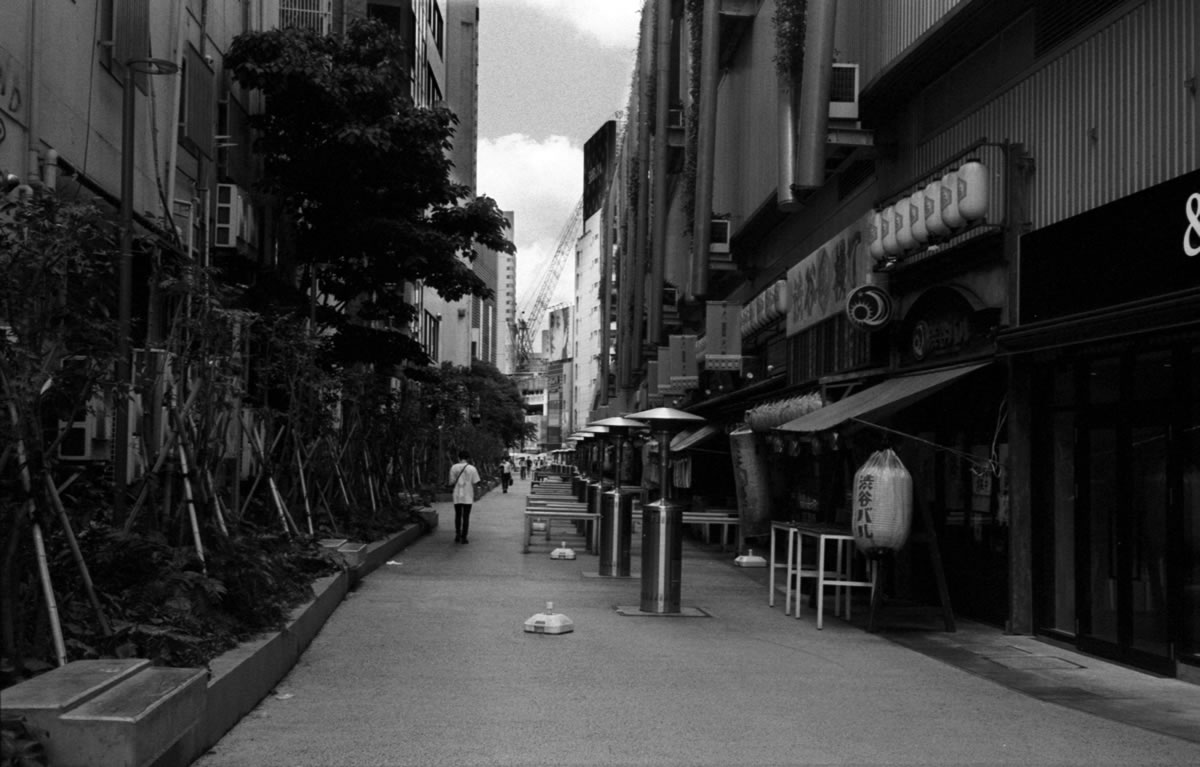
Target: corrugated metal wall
1105	118
882	30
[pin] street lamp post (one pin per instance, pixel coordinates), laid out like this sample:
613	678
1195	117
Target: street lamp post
125	277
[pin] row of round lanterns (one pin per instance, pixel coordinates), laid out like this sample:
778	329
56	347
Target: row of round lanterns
765	307
932	212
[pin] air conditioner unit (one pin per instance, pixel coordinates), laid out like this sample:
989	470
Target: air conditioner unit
843	92
719	234
675	118
229	213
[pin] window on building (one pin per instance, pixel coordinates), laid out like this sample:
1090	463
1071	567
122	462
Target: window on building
431	334
438	27
124	30
316	15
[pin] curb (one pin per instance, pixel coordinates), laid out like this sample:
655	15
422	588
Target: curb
242	677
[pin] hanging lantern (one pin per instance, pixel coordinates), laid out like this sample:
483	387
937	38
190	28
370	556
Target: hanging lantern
882	504
875	236
950	214
933	211
916	217
901	223
887	225
972	190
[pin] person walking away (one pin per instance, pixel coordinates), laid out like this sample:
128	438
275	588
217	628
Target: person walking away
525	467
506	471
463	478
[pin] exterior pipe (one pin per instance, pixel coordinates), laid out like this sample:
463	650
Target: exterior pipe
606	266
706	149
31	139
785	196
813	127
177	94
662	105
640	249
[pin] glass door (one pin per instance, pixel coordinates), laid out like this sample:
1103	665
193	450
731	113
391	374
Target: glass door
1122	522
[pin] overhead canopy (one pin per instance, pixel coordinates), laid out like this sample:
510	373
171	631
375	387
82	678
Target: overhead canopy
879	400
690	439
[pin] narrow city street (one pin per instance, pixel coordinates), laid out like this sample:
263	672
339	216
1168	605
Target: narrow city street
427	663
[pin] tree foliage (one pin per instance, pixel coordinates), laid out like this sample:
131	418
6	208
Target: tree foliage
364	178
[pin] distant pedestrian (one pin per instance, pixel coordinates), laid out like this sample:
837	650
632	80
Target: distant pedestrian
524	467
506	472
463	478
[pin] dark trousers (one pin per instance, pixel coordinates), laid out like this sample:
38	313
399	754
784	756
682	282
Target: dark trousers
462	519
505	481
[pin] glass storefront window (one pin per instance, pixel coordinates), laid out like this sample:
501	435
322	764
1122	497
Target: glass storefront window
1190	468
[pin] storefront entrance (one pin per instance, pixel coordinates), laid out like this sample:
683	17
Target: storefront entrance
1119	547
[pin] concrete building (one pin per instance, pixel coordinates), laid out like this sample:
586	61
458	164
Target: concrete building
914	214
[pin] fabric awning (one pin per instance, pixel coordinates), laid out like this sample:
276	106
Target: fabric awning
689	439
879	400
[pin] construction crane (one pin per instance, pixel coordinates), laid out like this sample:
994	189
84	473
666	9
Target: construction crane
531	313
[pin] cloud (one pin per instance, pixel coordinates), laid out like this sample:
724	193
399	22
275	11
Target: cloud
612	23
541	181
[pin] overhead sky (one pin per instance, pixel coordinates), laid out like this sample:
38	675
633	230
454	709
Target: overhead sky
551	72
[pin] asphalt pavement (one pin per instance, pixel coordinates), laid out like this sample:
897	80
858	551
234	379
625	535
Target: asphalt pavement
427	663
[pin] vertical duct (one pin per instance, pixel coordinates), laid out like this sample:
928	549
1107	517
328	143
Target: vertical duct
606	312
662	103
785	196
706	148
815	73
642	231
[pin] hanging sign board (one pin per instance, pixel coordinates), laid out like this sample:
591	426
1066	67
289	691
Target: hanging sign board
817	287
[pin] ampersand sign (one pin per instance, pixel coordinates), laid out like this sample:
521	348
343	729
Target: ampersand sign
1192	211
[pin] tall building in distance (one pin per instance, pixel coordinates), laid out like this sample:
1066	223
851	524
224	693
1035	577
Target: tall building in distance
443	39
506	304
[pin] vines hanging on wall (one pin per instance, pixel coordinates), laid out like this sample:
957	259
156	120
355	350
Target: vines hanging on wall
789	24
695	27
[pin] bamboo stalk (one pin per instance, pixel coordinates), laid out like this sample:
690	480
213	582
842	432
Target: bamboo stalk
64	520
191	507
216	501
39	544
304	492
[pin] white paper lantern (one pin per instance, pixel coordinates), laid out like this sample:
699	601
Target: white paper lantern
933	210
904	234
916	217
972	190
887	225
950	214
875	236
881	504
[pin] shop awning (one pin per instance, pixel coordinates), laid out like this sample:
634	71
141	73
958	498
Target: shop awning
879	400
689	439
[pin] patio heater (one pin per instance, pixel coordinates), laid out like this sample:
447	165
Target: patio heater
616	507
596	485
578	479
662	521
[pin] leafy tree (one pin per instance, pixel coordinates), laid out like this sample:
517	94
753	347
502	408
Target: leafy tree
363	179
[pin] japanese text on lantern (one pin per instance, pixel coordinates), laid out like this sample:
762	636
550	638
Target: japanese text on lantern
863	502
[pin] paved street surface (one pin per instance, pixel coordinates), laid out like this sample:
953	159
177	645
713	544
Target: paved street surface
427	663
